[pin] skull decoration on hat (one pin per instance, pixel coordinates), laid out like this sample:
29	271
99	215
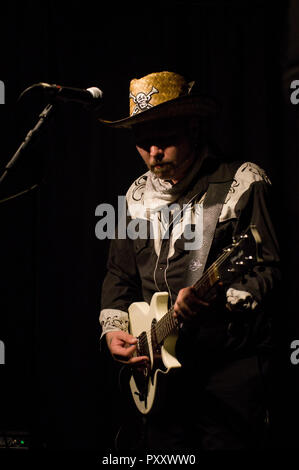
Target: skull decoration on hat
142	100
163	95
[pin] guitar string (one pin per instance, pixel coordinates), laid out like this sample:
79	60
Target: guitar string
205	277
161	325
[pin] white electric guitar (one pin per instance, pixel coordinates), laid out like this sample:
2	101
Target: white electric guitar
156	328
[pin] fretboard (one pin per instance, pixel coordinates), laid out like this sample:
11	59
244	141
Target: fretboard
168	324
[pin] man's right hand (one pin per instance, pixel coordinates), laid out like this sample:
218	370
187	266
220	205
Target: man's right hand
122	347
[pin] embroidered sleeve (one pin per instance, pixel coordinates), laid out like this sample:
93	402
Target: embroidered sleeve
113	320
240	299
247	174
254	205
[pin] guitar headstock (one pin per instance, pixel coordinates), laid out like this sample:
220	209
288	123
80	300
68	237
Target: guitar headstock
244	253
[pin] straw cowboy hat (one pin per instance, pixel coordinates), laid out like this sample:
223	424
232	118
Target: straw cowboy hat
163	95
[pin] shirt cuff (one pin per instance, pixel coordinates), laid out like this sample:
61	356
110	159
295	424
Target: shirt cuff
240	299
113	320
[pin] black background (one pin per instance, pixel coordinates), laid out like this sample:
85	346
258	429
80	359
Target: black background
56	383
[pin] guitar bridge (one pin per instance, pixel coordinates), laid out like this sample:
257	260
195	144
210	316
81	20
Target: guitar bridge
141	373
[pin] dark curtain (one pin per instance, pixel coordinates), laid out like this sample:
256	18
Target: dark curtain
56	382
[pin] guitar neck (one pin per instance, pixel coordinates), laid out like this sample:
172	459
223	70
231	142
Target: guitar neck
236	259
167	324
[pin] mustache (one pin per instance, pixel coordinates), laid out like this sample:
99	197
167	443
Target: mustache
162	164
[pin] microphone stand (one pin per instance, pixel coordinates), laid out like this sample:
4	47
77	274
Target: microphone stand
43	117
36	129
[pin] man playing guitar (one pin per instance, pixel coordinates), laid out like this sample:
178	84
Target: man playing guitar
223	343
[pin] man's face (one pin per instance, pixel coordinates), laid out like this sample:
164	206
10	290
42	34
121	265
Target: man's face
166	148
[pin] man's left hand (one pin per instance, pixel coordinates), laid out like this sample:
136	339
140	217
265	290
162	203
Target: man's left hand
188	305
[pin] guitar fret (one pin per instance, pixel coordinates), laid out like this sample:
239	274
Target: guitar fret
165	326
213	275
168	323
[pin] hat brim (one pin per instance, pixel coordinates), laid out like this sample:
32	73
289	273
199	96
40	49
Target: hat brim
188	105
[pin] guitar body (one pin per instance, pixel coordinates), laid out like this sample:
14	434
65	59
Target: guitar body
143	317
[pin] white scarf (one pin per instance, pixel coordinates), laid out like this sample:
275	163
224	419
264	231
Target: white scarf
158	192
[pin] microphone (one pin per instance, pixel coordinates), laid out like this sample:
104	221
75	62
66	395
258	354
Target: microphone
60	93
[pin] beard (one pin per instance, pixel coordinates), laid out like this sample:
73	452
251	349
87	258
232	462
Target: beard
163	170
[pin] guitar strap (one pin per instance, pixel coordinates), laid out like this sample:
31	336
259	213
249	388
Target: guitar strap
212	206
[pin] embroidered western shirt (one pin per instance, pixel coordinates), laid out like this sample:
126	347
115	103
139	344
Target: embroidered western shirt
159	261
